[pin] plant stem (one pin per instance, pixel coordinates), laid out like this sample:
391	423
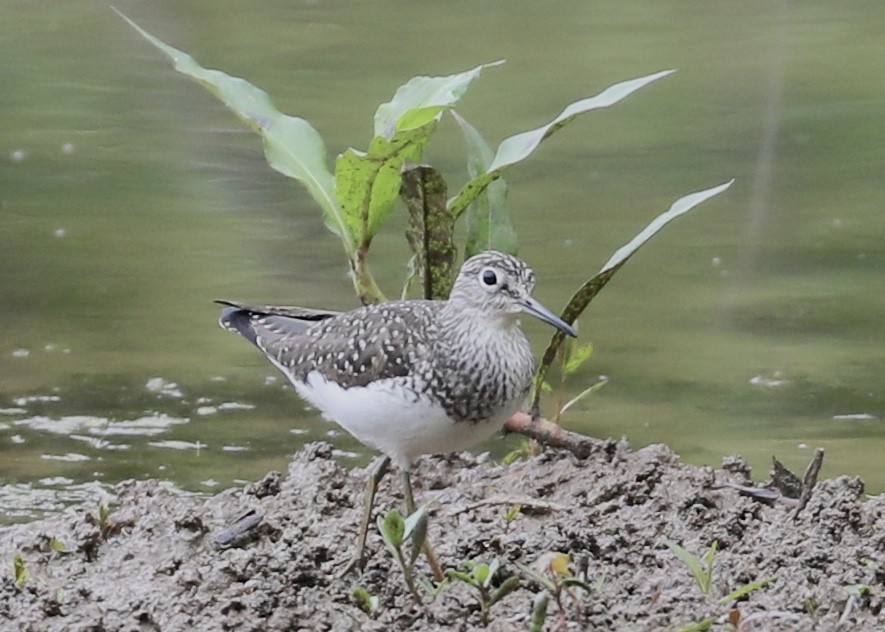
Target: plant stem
410	582
363	282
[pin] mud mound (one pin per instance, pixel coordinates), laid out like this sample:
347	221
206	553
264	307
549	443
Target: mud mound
150	565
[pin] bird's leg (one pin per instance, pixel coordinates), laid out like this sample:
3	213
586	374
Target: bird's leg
410	499
432	560
379	469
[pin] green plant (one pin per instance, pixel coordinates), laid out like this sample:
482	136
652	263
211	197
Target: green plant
395	530
365	601
539	611
570	357
556	578
701	567
746	589
858	590
702	571
699	626
58	546
106	526
360	194
526	449
480	576
19	570
512	513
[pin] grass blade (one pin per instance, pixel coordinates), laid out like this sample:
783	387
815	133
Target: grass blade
488	223
520	146
292	146
581	299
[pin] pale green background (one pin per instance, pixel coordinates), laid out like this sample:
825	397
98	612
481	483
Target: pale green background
130	198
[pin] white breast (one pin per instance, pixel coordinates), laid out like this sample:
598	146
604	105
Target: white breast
387	417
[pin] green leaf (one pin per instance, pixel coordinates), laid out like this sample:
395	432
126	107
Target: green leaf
418	118
415	528
364	600
488	223
462	577
574	582
539	611
513	511
431	231
485	573
482	573
520	146
855	590
20	570
578	355
537	577
699	626
519	453
367	185
392	528
507	586
422	100
292	146
582	297
590	389
701	568
58	546
710	554
693	562
680	207
104	512
746	590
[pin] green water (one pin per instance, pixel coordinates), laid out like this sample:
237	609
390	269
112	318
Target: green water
129	199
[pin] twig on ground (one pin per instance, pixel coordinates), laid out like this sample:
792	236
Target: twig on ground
810	480
530	503
550	434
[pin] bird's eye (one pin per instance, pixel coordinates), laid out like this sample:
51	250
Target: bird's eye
489	277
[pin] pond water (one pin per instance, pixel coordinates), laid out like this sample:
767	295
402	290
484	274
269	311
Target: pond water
130	199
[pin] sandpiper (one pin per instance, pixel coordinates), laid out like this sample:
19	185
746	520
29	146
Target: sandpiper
410	377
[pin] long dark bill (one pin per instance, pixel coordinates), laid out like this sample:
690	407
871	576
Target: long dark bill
533	307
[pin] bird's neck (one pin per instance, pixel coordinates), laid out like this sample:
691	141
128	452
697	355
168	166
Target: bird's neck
474	326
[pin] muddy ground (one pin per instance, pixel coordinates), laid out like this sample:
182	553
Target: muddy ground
150	565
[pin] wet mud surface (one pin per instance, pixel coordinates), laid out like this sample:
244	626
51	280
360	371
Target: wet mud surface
150	564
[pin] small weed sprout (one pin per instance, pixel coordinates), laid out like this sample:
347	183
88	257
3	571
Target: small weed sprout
479	576
570	357
102	520
701	567
395	530
58	546
539	611
702	571
557	580
527	448
513	512
20	571
365	601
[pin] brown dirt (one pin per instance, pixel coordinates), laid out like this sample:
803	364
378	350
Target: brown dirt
614	510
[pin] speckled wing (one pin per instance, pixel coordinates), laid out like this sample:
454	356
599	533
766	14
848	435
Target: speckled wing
346	348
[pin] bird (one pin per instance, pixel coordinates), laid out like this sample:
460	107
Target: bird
410	377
